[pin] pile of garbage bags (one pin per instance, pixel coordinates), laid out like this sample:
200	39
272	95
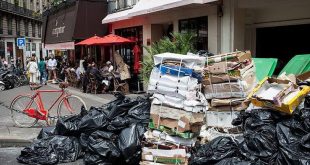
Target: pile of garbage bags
269	137
110	134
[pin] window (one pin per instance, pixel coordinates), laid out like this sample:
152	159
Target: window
27	46
1	25
26	28
10	26
199	27
33	25
39	31
34	47
17	27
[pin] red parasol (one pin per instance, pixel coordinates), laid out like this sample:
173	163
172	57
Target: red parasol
112	39
90	41
136	52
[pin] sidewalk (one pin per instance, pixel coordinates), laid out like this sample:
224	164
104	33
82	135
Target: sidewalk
11	136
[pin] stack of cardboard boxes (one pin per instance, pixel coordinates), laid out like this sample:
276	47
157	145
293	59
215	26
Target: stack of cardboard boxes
178	108
229	78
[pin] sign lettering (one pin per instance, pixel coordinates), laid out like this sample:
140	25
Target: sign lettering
59	30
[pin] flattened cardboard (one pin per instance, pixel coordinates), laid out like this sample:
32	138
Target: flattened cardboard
176	119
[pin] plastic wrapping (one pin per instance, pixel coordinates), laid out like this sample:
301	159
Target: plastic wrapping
51	150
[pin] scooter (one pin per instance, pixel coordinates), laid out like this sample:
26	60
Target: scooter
2	86
7	79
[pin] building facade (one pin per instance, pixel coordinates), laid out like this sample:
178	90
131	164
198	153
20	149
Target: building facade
71	21
21	19
269	28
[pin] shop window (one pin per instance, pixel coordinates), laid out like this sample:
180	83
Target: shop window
10	26
199	28
125	50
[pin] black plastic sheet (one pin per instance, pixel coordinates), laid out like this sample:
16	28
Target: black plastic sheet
51	150
215	151
110	134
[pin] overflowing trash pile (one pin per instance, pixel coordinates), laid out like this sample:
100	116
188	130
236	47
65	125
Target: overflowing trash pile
202	110
178	108
228	80
110	134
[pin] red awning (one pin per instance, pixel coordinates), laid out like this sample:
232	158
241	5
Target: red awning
90	41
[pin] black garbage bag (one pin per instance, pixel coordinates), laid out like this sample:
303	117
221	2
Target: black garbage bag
293	143
69	126
129	142
118	124
51	150
260	143
102	144
94	120
46	132
122	108
215	151
141	112
235	161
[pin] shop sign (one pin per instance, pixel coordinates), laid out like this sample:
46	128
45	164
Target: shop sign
59	30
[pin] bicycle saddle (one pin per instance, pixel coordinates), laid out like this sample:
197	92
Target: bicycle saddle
63	85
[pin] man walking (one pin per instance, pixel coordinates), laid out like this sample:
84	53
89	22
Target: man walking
42	69
51	65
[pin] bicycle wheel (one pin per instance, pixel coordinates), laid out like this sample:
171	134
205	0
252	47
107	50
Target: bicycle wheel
70	105
18	105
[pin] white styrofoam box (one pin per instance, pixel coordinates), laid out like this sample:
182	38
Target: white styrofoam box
185	83
220	119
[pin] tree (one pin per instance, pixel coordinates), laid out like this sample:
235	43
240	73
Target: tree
181	43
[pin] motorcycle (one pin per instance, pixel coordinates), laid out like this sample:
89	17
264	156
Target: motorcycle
2	86
7	80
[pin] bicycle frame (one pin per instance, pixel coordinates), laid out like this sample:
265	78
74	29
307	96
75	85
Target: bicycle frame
43	113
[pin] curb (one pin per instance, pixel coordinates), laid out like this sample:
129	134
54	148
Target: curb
4	143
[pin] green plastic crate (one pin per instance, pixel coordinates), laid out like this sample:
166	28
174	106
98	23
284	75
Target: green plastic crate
297	65
265	67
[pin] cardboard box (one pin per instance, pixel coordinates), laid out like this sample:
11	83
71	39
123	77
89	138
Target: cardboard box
177	119
227	102
234	56
284	99
226	90
175	156
220	119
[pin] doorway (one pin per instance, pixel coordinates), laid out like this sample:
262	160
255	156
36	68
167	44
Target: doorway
282	42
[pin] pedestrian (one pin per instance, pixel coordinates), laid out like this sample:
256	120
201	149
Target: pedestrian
42	69
32	68
51	65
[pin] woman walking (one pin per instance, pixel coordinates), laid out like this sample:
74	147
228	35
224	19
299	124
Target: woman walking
32	67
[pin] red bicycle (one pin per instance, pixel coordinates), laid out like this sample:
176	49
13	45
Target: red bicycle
26	110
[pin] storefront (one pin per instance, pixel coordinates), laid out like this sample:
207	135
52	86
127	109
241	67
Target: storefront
71	23
271	29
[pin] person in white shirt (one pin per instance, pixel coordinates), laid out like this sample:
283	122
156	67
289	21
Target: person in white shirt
110	66
51	66
32	67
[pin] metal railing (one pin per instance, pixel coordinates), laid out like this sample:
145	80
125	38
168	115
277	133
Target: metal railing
120	5
14	9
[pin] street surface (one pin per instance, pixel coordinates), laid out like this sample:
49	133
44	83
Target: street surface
13	138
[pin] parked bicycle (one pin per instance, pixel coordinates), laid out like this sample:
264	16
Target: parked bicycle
26	110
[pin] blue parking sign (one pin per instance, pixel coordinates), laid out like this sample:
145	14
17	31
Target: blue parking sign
21	42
